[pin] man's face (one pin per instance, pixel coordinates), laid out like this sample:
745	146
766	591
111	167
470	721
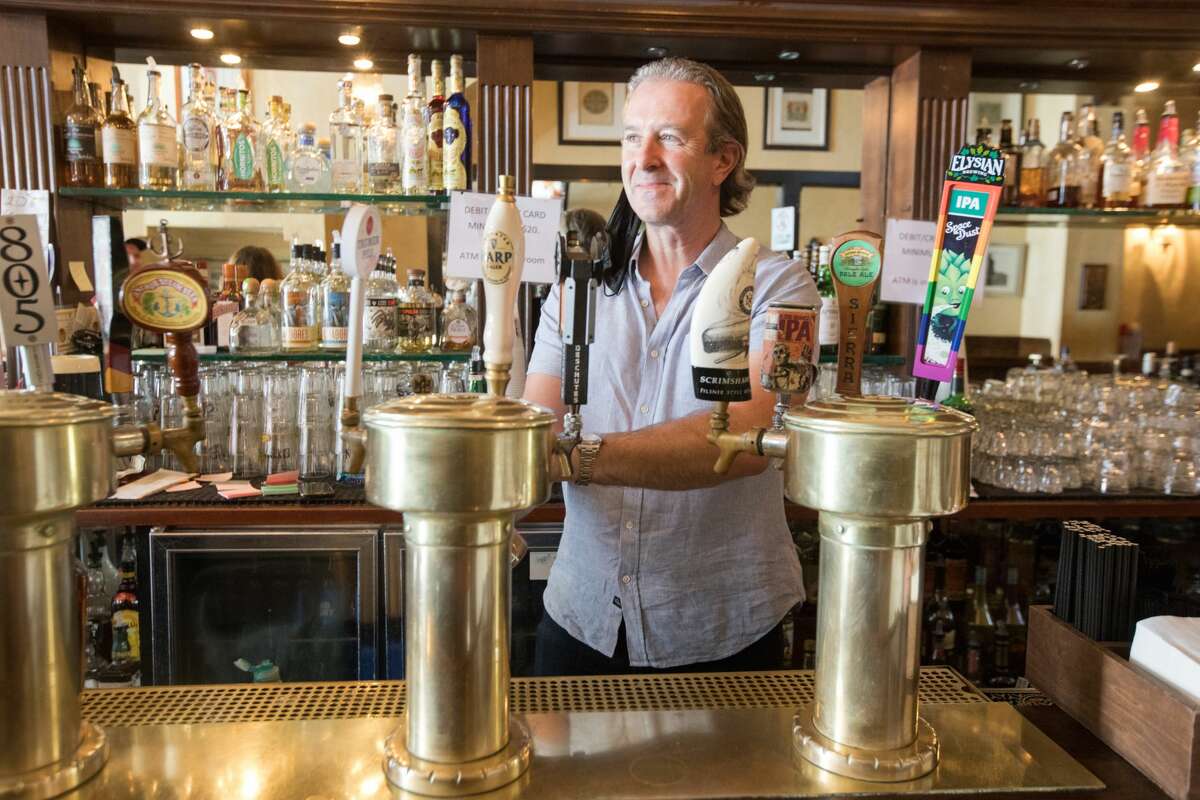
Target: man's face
666	164
134	255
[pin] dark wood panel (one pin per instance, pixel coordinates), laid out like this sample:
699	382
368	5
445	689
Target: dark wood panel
877	108
505	119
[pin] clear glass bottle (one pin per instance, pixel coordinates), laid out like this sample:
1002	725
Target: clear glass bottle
458	324
379	315
198	137
1167	176
119	140
1116	167
456	132
1091	149
158	151
335	304
829	321
1011	194
346	141
275	147
240	152
301	309
383	155
1062	189
417	316
435	123
308	168
416	158
81	129
255	330
1141	158
225	306
1033	167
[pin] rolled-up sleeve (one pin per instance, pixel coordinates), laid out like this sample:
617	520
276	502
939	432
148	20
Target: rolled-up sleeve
547	342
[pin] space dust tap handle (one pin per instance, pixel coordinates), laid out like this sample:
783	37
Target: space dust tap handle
170	298
503	263
854	266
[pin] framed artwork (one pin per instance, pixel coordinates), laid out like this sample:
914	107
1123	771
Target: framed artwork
1093	287
590	113
796	119
987	109
1005	269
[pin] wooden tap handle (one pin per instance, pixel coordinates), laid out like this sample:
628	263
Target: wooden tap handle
171	299
855	266
184	363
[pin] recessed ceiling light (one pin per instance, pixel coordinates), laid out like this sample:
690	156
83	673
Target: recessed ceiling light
656	52
1078	63
363	63
201	33
1195	67
1146	86
789	55
1028	85
349	39
764	77
230	58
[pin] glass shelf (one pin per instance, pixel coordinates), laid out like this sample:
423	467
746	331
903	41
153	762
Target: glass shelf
1120	216
874	359
269	202
158	354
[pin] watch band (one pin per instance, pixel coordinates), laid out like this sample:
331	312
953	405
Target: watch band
589	449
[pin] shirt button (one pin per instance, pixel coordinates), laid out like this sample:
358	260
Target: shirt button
645	303
645	409
625	579
654	354
628	526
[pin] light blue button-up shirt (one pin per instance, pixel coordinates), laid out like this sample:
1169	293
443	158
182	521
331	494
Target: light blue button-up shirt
696	575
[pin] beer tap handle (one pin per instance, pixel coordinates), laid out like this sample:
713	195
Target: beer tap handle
361	241
855	267
580	272
503	263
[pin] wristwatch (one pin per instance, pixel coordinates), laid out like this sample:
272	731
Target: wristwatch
589	450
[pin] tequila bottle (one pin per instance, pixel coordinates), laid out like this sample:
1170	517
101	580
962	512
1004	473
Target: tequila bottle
255	330
1141	158
417	321
1063	187
80	131
198	136
119	140
379	317
416	157
1010	195
275	147
1116	167
301	311
346	140
383	164
240	167
1091	149
157	149
456	132
458	324
1168	176
335	304
308	168
435	123
1033	167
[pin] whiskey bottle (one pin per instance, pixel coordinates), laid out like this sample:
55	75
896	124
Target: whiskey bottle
335	304
308	168
198	137
1033	167
1141	158
119	140
416	317
1091	149
301	304
456	132
1011	194
1116	167
275	147
458	324
416	157
80	131
379	316
346	142
240	152
435	123
1063	187
1168	176
383	165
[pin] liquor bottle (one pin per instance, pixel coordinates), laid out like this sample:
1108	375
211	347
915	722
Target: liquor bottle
1091	149
1140	162
1011	194
225	307
240	153
346	142
955	552
1116	167
1033	167
435	123
308	167
958	399
379	317
301	308
256	330
416	312
973	662
456	132
198	137
383	162
1167	176
980	621
335	304
828	329
1193	161
1014	621
458	324
477	384
1001	676
1062	188
127	647
157	148
81	128
416	158
119	140
275	147
942	629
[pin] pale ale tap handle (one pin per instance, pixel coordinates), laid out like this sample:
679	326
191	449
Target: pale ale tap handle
503	263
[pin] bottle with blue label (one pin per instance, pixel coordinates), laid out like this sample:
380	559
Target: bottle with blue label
335	305
456	132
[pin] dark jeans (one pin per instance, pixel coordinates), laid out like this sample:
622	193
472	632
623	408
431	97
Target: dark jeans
560	653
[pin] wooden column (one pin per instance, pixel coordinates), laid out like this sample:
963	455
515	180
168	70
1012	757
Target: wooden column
27	157
504	123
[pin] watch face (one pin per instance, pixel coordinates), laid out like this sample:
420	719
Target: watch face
590	438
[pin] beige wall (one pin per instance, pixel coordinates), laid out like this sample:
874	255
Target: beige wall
1160	289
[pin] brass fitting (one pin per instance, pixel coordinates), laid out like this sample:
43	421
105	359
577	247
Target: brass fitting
135	440
182	441
353	436
497	377
730	444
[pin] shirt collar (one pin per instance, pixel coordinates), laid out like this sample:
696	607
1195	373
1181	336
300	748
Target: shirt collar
722	243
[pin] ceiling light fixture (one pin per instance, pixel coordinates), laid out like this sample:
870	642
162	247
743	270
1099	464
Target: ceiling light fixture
201	33
363	63
349	39
1195	67
789	55
655	51
1078	63
230	58
1146	86
764	77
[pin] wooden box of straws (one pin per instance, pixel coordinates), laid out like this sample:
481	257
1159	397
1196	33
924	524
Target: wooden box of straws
1150	724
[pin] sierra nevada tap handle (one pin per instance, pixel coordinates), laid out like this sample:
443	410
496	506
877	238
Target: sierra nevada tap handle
855	267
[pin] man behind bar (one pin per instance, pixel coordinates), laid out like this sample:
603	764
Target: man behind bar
663	563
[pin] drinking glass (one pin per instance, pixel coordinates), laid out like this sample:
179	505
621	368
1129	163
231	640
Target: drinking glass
317	428
279	433
246	426
215	402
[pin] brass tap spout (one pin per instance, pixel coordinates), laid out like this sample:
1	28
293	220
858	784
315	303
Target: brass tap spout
730	444
497	377
353	436
564	444
182	440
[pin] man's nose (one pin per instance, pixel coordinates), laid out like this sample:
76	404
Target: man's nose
647	155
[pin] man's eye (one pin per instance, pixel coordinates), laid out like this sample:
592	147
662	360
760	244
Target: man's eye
669	137
629	138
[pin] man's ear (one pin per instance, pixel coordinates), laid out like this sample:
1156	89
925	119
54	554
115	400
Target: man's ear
727	158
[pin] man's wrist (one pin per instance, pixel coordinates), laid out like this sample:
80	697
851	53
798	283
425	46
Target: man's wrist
585	455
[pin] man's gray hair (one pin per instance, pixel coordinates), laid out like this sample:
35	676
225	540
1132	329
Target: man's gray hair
726	120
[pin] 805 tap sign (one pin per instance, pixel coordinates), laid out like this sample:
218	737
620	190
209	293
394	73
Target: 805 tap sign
26	309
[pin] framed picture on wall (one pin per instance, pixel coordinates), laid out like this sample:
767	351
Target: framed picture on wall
988	109
1004	269
1093	287
796	119
589	113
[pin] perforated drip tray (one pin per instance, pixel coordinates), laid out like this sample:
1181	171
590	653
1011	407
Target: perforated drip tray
284	702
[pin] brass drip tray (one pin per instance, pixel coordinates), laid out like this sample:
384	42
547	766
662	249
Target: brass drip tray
305	702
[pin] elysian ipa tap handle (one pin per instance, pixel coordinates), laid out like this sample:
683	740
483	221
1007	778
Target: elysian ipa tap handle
503	263
855	267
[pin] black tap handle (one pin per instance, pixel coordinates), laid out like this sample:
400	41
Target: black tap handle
580	270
